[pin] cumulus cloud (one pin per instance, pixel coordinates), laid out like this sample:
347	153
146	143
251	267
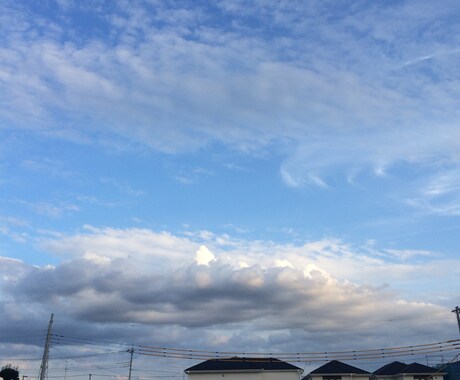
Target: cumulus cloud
117	292
204	256
149	247
164	280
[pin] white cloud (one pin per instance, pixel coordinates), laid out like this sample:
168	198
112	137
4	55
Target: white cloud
438	193
145	246
283	263
179	293
204	256
175	93
54	210
20	237
405	254
143	252
148	253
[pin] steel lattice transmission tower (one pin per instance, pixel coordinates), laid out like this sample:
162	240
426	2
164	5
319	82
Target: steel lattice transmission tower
44	365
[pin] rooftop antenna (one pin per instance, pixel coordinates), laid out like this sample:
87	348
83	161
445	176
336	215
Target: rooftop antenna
44	365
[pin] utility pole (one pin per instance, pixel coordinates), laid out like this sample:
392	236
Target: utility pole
131	351
44	365
457	311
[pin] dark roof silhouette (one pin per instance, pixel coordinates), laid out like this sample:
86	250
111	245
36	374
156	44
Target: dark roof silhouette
337	367
396	368
419	369
243	364
392	368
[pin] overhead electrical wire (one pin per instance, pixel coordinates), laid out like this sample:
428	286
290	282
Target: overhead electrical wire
80	359
85	355
20	359
194	354
180	353
29	334
419	350
80	347
401	351
73	341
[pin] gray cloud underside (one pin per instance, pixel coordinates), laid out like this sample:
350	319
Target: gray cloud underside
286	311
270	300
104	293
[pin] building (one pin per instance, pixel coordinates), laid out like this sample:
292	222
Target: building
451	370
336	370
241	368
401	371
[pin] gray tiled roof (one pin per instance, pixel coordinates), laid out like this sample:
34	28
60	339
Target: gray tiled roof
337	367
243	364
419	369
396	368
392	368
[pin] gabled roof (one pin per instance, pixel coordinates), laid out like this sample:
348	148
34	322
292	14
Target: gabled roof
390	369
336	367
419	369
396	368
242	364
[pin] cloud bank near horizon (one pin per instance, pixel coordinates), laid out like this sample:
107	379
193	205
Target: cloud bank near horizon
116	277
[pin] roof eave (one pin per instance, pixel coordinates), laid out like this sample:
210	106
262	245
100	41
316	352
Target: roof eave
243	370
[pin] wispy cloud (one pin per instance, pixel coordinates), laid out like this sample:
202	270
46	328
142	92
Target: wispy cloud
175	93
123	187
431	56
438	194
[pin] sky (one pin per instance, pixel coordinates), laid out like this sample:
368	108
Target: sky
265	176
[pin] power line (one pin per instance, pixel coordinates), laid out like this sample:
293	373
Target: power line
69	340
29	334
79	358
86	355
449	342
179	353
20	359
172	353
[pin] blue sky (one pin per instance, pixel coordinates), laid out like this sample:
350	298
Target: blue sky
302	154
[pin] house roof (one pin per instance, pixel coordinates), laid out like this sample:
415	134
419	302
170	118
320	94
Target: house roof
243	364
396	368
392	368
419	368
337	367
